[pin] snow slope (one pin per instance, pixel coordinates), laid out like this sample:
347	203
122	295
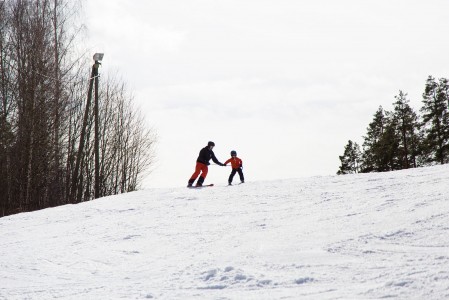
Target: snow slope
366	236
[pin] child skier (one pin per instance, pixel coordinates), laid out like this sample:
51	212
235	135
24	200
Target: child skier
236	164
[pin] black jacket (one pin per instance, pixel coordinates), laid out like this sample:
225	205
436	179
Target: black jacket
205	155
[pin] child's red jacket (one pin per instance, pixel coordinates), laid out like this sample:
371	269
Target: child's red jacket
235	162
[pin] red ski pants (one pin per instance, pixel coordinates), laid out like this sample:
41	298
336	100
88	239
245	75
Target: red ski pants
200	168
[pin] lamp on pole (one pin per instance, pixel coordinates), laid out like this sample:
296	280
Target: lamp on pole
97	58
76	192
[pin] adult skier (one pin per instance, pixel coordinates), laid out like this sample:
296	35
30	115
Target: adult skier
202	162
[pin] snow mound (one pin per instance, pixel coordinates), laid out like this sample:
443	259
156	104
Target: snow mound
230	277
365	236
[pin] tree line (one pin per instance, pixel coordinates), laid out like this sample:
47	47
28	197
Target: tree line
403	138
43	92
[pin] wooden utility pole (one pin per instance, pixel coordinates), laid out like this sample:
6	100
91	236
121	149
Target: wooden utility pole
97	136
76	193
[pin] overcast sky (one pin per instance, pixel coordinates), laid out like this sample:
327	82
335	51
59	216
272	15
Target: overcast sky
284	83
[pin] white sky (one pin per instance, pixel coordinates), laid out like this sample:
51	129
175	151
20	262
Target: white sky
284	83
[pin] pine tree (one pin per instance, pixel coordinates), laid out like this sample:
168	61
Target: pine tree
370	160
381	145
387	150
350	160
407	127
436	120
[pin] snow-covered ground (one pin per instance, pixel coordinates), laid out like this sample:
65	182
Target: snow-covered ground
366	236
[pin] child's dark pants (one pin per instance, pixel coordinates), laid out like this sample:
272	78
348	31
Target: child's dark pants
239	170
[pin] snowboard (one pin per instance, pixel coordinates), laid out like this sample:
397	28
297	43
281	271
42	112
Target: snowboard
200	187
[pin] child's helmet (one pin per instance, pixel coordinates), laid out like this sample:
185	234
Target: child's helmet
233	153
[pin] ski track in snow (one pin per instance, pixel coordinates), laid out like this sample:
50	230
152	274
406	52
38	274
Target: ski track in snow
364	236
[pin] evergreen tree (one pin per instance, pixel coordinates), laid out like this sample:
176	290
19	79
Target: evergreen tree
350	160
381	145
387	151
436	120
370	158
407	126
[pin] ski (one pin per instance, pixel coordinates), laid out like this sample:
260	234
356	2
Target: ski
199	187
235	184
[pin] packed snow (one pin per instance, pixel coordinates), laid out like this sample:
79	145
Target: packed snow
364	236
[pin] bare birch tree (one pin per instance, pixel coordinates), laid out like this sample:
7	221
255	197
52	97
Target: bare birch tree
43	92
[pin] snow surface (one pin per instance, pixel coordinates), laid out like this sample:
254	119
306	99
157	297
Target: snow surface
365	236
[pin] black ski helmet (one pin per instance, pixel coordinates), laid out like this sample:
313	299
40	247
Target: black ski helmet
211	144
233	153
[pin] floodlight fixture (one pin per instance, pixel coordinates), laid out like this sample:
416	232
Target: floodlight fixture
98	56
